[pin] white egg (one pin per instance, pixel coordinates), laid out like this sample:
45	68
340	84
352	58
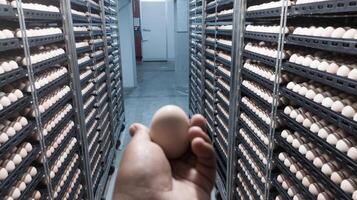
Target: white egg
307	61
318	98
352	153
8	33
323	66
348	111
337	106
327	102
355	117
338	33
12	97
3	138
310	94
352	74
343	71
9	166
332	68
349	185
18	93
299	60
349	34
318	32
314	64
327	31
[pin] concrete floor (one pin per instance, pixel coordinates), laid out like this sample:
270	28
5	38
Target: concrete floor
158	85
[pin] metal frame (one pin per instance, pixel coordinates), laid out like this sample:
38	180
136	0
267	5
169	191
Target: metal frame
77	94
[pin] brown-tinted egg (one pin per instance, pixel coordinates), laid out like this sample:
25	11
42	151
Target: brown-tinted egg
169	129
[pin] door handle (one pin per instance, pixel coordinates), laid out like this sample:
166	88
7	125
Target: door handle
146	30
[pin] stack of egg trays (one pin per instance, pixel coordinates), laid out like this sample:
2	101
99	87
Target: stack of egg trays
114	64
195	19
332	46
30	132
252	124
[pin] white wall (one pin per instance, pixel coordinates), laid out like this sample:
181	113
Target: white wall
127	44
170	21
182	48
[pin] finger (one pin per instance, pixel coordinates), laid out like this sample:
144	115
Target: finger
204	152
199	120
195	132
139	131
206	160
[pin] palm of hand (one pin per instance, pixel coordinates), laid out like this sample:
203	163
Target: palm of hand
146	173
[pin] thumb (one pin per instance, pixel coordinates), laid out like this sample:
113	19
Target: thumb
139	132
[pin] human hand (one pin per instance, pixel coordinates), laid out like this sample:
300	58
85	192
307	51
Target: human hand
146	173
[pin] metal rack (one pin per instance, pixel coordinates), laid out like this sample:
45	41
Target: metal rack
57	135
259	95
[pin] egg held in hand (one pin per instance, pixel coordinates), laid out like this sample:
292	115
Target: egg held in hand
169	129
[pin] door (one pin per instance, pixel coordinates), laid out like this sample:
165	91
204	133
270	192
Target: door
154	30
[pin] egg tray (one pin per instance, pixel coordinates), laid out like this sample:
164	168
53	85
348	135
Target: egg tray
260	36
332	80
94	161
280	189
223	89
79	18
241	189
65	164
297	183
85	49
101	92
322	144
89	108
210	77
88	93
209	117
50	112
258	79
100	68
7	12
223	61
260	184
79	34
224	47
15	140
43	40
97	33
43	65
219	137
259	122
208	65
341	121
247	182
222	126
99	57
94	20
93	6
26	194
221	162
209	86
67	182
325	7
91	120
85	64
315	172
267	106
6	184
50	87
263	147
102	112
251	153
270	13
15	107
220	111
222	102
61	147
36	15
50	135
97	45
87	79
347	46
101	104
259	57
10	43
94	150
103	123
79	3
11	76
209	98
74	189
